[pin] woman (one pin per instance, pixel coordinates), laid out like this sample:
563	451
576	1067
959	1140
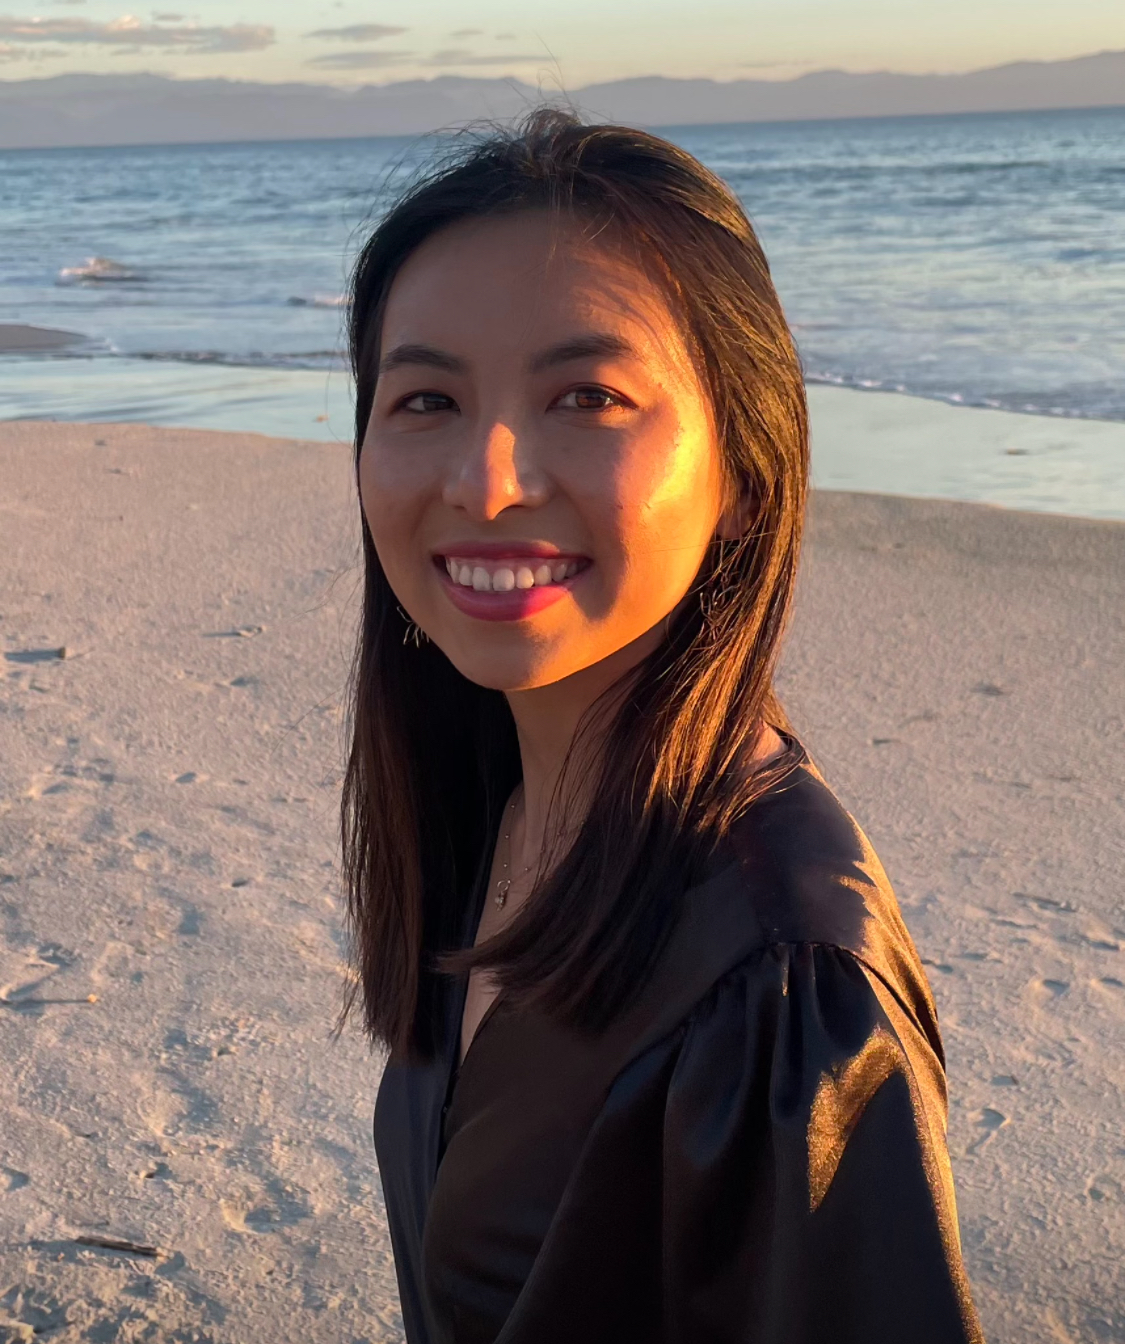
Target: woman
663	1064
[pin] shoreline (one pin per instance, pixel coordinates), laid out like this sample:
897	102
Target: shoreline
915	447
171	944
863	441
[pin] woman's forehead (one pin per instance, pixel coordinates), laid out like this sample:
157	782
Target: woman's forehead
532	278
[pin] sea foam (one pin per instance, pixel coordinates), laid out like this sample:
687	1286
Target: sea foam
319	301
98	271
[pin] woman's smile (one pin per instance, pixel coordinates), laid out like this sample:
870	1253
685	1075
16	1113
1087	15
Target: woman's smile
502	581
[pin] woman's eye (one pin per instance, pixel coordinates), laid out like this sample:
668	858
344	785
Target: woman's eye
427	403
588	399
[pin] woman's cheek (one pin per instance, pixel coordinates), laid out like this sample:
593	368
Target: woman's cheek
387	509
667	507
393	488
393	475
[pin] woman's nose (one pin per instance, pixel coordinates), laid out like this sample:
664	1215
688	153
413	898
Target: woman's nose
497	471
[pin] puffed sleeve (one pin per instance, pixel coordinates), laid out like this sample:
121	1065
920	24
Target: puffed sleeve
806	1184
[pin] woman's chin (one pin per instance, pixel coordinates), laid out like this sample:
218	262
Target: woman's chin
510	670
511	662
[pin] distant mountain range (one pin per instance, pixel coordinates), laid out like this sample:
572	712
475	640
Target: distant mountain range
151	109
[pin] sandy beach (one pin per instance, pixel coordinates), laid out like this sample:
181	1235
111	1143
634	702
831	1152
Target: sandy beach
185	1153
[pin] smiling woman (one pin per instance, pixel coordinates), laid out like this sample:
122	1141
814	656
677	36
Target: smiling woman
663	1062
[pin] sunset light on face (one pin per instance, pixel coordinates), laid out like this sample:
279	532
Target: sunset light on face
540	474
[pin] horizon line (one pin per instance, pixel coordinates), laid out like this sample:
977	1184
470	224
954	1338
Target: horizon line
623	79
651	126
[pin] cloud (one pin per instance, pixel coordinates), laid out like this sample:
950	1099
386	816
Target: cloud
360	60
467	32
452	57
357	32
131	32
775	65
456	56
160	18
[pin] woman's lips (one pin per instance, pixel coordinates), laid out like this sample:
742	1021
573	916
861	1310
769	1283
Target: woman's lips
509	587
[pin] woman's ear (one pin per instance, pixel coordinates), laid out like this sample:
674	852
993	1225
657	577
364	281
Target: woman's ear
735	519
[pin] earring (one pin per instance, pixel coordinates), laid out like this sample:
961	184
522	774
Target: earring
413	632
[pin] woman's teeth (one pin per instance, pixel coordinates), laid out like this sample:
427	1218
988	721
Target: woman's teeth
502	578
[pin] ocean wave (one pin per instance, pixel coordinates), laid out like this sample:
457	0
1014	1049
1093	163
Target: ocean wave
318	301
254	359
99	271
1078	403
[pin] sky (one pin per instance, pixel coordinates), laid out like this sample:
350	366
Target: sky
570	43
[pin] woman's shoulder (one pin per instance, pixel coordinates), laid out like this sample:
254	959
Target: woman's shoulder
795	871
802	871
794	937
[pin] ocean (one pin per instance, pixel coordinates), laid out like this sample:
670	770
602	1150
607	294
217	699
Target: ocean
977	260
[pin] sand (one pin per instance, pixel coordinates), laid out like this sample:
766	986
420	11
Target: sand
19	339
170	945
898	445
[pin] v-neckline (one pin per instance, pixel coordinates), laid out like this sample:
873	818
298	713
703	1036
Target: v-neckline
486	1017
474	917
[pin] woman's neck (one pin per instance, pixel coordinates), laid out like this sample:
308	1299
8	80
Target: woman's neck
548	720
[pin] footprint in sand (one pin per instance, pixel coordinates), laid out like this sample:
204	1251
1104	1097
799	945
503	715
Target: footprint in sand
281	1207
989	1122
1047	903
54	954
1104	1188
1045	992
1092	940
46	961
191	920
11	1179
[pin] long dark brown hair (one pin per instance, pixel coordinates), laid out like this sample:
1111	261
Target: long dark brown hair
434	756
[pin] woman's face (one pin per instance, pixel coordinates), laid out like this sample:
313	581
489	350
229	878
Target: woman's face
540	473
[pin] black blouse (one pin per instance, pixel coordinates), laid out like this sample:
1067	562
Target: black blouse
754	1152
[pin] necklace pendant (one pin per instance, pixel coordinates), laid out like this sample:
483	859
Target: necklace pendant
502	892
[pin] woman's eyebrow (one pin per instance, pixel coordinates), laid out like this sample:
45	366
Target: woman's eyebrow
426	355
582	347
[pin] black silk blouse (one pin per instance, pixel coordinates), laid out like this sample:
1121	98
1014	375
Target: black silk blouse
754	1152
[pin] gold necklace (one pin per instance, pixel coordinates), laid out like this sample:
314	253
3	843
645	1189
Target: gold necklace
504	882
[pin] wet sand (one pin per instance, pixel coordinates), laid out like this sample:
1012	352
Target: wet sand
184	1155
18	339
